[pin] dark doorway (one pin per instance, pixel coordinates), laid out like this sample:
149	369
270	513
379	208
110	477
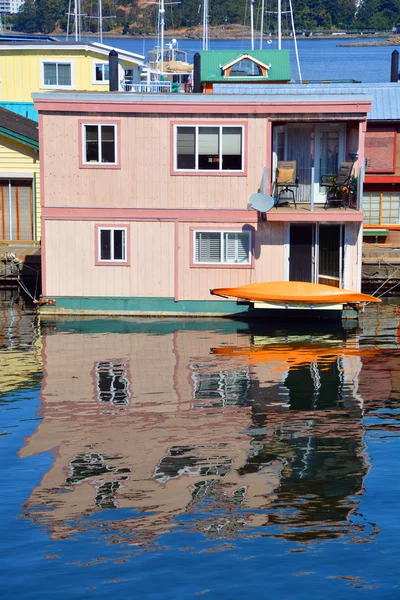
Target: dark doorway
301	252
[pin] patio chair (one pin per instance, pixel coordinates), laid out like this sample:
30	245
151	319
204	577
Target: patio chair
337	186
286	182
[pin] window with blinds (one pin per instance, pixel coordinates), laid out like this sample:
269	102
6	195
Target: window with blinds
57	74
205	148
222	247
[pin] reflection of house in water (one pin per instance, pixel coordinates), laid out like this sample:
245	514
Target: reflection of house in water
148	416
20	345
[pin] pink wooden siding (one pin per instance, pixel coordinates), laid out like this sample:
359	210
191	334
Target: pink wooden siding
144	179
354	243
195	283
72	272
160	261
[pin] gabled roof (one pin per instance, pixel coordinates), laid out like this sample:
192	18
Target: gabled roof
18	128
101	49
243	56
212	61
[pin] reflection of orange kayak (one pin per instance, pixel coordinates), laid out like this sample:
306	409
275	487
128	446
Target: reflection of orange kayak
294	292
292	355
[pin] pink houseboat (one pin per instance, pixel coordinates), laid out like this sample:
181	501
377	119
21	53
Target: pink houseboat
145	197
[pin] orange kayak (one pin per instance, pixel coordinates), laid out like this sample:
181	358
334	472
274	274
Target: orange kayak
294	292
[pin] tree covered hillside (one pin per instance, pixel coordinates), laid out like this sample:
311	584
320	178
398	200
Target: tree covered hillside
140	16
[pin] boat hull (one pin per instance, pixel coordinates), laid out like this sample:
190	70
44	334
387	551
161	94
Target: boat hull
294	293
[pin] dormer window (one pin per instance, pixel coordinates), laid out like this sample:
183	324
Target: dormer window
246	68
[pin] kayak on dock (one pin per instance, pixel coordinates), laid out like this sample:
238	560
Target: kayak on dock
294	292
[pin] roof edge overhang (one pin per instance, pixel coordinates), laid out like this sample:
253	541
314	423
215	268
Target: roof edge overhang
100	49
204	104
17	137
248	56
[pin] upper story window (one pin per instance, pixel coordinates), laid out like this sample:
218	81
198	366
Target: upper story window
222	247
57	74
209	148
99	144
246	68
101	73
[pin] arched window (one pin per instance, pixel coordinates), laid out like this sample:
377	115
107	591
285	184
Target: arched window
246	68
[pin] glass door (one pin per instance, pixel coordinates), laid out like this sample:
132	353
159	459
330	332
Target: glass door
330	255
329	153
301	256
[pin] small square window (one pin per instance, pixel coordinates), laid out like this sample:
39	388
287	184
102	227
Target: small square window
112	245
99	144
57	74
102	72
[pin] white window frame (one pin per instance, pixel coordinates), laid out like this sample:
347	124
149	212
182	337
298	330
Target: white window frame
197	127
99	162
113	260
101	63
56	87
222	233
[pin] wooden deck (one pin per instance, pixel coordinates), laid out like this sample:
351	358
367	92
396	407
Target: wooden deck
304	213
22	256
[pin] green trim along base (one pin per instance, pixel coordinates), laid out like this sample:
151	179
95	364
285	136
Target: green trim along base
142	306
168	307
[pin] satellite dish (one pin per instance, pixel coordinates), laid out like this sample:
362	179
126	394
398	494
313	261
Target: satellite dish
261	202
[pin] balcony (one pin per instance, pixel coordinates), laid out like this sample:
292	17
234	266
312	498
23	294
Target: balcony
305	198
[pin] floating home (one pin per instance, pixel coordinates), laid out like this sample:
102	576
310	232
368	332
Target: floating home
146	197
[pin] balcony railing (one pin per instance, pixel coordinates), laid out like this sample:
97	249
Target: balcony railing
310	194
151	87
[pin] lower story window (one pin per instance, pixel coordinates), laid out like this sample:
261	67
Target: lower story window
112	244
222	247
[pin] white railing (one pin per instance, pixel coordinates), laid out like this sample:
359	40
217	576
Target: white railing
151	87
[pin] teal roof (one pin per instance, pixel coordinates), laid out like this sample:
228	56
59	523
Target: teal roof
25	109
211	62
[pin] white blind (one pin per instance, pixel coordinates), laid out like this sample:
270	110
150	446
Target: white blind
232	140
237	247
208	247
186	140
208	141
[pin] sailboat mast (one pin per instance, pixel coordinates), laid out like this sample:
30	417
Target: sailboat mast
279	24
295	40
76	20
162	27
100	22
252	23
262	24
205	25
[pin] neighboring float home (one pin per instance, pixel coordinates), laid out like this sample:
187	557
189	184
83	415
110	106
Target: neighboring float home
147	198
29	66
19	178
263	67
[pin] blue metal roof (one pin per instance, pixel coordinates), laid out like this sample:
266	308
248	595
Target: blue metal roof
25	109
385	96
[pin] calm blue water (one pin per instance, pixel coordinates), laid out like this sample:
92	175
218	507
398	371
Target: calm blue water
319	58
171	460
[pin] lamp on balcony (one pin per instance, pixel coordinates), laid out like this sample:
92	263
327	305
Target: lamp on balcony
353	156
